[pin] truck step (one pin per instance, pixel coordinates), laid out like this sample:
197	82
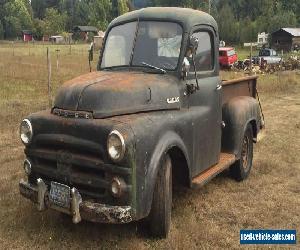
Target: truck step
226	160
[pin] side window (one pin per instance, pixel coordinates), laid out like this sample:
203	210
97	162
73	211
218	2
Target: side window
204	60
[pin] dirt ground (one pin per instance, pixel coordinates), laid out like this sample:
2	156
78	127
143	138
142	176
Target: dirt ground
208	218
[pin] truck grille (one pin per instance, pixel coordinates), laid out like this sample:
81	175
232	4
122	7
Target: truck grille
60	159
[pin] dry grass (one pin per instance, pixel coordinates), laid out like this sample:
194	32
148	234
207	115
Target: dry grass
209	218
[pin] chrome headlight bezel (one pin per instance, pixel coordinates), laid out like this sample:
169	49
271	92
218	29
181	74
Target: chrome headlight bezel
111	151
118	187
27	167
23	137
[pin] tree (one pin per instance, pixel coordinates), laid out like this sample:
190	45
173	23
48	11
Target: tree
99	14
247	31
1	31
16	17
122	7
81	13
228	27
38	29
54	22
39	8
68	7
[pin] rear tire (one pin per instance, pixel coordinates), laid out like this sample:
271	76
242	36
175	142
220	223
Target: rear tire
160	214
240	170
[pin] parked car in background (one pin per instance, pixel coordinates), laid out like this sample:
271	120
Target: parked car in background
267	55
227	57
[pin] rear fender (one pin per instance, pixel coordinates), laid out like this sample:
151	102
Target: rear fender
237	113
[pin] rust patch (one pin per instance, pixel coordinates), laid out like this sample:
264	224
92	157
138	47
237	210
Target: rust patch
225	161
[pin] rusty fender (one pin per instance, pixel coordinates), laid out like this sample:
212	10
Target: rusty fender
237	113
166	142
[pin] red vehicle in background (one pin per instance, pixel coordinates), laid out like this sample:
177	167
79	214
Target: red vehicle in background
227	57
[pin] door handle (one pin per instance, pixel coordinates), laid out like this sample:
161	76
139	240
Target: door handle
219	87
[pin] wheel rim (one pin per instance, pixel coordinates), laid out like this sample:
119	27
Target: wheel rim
245	152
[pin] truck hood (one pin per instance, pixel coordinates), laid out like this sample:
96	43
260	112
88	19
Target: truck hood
108	94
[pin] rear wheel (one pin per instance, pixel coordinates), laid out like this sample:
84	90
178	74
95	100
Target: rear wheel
240	170
160	214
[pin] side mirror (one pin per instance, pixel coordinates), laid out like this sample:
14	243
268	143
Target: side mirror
191	52
193	44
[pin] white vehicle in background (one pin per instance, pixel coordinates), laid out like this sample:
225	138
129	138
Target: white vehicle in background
269	56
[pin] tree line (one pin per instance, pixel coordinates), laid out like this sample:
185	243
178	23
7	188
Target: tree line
239	20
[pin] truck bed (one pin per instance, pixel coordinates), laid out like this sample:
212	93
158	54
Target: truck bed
245	86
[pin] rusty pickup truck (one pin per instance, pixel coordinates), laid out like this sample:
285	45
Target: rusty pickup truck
154	115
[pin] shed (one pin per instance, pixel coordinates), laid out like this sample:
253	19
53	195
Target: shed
57	39
84	30
27	35
286	39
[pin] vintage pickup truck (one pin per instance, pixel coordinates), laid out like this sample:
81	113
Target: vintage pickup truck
268	56
154	115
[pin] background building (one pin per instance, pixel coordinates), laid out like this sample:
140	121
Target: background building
286	39
27	35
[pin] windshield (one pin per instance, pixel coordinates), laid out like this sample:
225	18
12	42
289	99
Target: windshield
264	52
147	42
231	52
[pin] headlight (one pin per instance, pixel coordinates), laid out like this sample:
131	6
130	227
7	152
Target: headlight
116	146
26	131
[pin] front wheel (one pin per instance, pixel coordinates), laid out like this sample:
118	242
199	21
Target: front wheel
160	214
240	170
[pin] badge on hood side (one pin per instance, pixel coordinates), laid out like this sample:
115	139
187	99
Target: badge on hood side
173	100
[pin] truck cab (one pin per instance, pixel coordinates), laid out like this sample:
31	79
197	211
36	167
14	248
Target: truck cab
154	115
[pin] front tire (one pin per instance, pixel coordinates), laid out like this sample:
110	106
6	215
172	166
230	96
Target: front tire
240	170
160	214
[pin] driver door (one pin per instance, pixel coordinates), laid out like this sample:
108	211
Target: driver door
205	103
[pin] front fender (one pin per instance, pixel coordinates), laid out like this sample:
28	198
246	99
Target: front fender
237	113
169	140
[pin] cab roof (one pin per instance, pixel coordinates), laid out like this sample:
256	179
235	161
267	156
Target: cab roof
188	18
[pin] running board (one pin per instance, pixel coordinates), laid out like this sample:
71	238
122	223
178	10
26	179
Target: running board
226	160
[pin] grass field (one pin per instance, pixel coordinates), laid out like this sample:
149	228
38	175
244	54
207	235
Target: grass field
208	218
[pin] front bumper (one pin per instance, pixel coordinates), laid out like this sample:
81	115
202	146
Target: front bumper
79	209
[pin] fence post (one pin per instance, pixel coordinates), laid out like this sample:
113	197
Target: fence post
57	58
13	47
49	77
251	51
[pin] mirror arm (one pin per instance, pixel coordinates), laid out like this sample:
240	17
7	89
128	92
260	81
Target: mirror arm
194	65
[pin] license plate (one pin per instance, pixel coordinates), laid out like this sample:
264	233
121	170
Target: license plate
60	195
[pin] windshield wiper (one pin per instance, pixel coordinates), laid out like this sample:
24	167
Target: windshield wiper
154	67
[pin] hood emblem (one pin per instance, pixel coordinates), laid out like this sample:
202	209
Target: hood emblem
173	100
